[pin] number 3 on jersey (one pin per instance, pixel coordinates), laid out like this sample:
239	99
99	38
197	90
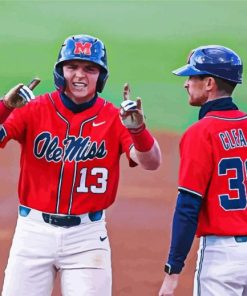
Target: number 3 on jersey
237	183
100	187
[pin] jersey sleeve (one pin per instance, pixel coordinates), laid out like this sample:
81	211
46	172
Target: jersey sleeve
14	126
196	161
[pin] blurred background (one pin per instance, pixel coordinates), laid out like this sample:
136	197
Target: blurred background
145	41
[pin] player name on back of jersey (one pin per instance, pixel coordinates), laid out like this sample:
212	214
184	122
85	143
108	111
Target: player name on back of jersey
232	139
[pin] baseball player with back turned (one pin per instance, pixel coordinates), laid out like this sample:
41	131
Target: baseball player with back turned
212	198
71	142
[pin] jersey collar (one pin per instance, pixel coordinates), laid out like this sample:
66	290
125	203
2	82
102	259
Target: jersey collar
76	108
217	105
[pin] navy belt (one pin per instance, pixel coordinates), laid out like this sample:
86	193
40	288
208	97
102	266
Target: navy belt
241	238
60	220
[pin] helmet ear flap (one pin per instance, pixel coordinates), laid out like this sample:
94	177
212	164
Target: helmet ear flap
59	80
103	76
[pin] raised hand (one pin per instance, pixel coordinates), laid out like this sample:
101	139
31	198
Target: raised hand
131	112
20	94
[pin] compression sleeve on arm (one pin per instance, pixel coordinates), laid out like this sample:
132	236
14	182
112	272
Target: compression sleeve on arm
184	227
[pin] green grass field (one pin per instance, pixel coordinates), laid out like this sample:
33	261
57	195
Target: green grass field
145	41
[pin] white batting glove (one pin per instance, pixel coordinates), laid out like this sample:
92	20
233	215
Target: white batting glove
26	93
131	112
20	94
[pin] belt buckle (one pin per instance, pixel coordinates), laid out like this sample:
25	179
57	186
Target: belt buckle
57	220
62	221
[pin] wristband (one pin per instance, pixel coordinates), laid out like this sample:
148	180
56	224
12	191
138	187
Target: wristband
143	140
171	270
137	130
6	105
4	111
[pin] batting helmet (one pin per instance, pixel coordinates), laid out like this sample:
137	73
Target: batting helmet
213	60
84	48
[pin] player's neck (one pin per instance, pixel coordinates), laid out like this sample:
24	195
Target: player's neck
75	108
217	95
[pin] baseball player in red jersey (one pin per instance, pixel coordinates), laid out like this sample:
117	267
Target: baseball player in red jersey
71	142
212	197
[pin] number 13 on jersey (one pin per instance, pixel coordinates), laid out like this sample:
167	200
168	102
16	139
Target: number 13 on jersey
101	180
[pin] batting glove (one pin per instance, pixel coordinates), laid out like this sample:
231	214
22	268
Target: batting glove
131	112
20	94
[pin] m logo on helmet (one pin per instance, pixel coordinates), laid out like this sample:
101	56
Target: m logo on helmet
84	48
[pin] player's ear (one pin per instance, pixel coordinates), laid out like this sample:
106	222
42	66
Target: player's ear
210	83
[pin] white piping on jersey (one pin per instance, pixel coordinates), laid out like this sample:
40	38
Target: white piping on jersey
72	187
62	166
190	191
75	168
227	119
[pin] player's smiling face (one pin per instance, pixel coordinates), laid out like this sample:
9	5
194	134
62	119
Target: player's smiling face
197	90
81	79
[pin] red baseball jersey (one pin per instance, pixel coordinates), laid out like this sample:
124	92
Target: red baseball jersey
69	161
213	166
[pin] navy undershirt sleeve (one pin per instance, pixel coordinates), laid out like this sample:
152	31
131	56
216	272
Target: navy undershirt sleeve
184	227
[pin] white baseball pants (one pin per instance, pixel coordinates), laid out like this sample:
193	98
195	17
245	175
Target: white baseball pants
39	250
221	267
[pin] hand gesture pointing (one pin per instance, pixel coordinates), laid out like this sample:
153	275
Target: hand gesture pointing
131	112
20	94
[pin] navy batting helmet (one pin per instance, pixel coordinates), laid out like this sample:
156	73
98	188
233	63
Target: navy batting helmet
85	48
215	60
